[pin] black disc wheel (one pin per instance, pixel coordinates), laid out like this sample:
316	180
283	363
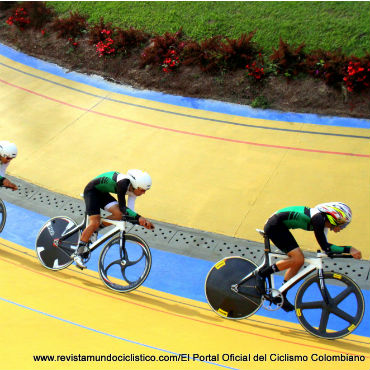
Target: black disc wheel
218	288
54	255
2	215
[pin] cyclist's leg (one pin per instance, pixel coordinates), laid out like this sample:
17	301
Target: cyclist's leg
113	208
94	201
284	240
93	225
292	264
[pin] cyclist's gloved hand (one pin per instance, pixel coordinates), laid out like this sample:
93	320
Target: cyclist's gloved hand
355	253
145	223
128	218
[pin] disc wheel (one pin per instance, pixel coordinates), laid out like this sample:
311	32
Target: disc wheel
50	254
223	300
2	215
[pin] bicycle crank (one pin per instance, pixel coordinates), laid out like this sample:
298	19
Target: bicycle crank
272	300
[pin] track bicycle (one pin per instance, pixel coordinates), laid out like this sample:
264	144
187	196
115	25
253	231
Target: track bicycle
2	215
328	305
124	262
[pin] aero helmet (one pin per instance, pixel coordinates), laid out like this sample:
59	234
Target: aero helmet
337	213
139	179
8	149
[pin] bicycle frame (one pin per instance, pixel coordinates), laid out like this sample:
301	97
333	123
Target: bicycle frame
314	263
120	227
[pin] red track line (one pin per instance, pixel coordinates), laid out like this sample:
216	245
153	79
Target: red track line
184	132
173	314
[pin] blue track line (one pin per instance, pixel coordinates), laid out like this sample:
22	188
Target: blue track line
107	334
175	274
209	105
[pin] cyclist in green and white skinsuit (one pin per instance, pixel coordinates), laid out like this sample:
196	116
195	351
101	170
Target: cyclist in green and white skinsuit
8	151
333	216
97	196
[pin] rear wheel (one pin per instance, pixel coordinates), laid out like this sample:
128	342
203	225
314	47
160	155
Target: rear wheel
223	300
50	254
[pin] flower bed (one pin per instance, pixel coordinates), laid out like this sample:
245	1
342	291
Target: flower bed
240	65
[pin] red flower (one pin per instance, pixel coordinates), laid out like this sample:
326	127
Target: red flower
171	61
104	47
255	72
19	19
356	76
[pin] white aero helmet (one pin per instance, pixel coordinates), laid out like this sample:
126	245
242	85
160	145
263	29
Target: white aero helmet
8	149
338	214
139	179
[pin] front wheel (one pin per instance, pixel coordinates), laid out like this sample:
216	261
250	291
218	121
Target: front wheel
335	319
50	254
220	295
125	269
2	215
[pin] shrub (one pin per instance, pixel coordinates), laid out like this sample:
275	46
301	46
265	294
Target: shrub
5	5
112	41
260	102
39	13
235	54
30	14
129	39
207	54
160	46
326	65
215	54
96	33
72	27
20	19
289	60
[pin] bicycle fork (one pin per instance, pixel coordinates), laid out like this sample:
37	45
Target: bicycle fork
122	246
324	291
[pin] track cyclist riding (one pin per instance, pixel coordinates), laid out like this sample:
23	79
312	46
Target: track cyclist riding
333	216
8	151
97	196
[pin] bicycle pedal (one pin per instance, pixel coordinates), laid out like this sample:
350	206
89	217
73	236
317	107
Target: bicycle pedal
79	262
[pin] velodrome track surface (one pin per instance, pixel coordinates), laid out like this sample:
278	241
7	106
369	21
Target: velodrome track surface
213	171
71	313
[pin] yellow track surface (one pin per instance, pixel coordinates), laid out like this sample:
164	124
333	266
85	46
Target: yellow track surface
71	313
207	175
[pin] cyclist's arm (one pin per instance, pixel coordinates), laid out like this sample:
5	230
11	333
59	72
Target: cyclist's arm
7	183
318	224
122	187
131	201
